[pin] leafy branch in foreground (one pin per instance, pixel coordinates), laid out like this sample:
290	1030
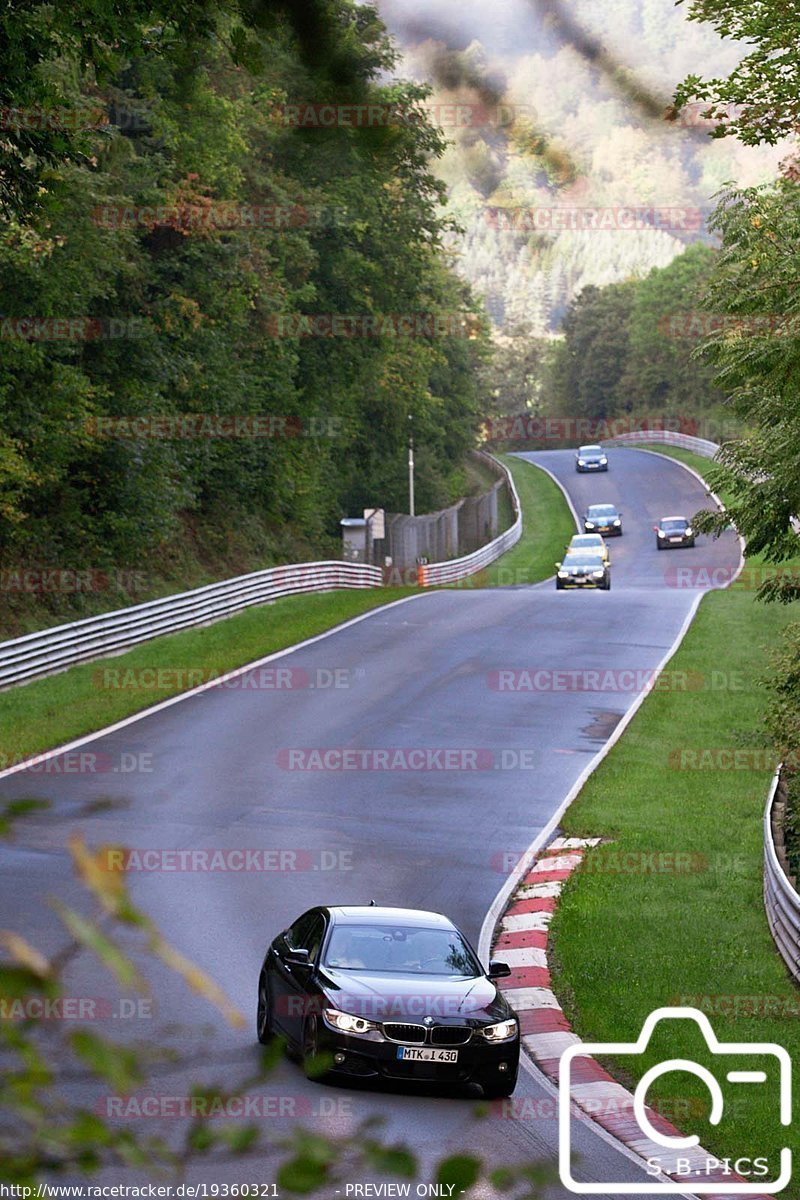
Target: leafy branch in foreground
44	1058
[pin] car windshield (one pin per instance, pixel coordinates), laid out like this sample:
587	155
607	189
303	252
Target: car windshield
586	541
584	450
583	559
401	950
676	524
602	510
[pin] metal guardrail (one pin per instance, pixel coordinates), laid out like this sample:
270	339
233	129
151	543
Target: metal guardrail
436	574
666	437
781	899
50	650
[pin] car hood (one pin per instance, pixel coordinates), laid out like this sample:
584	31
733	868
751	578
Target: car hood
384	997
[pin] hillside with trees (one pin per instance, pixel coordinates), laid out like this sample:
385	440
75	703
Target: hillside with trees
582	97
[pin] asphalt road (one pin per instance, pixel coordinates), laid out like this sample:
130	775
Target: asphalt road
225	769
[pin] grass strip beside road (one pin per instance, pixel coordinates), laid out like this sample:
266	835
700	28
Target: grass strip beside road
48	712
671	911
547	526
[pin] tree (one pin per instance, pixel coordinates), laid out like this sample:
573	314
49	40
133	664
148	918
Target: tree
756	353
760	100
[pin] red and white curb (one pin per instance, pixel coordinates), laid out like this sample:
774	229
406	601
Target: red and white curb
521	939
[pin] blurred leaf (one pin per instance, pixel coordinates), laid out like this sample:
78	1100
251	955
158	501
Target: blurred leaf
25	954
109	954
301	1175
459	1172
118	1064
197	980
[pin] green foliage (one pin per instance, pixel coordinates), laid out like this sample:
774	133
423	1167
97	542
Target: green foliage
349	225
756	354
628	347
760	100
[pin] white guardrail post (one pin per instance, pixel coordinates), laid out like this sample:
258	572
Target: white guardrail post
50	650
665	437
781	899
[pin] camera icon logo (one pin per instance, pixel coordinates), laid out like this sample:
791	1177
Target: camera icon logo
679	1163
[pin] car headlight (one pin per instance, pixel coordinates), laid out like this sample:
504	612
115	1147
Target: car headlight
617	521
598	574
581	462
687	531
589	524
504	1031
660	533
563	574
344	1022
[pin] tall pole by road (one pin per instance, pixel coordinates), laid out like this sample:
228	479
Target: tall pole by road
411	465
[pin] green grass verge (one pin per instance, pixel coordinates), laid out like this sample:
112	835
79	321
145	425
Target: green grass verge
48	712
634	933
547	526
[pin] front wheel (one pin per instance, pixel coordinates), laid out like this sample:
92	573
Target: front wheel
311	1053
499	1088
263	1022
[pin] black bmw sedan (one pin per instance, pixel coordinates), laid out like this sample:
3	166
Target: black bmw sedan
390	993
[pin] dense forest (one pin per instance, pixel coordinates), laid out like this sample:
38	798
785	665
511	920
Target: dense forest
174	393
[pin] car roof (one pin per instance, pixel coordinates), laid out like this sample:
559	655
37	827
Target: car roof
591	446
608	504
357	914
676	517
583	537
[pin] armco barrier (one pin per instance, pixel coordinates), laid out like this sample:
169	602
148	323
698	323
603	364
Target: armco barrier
665	437
51	650
781	899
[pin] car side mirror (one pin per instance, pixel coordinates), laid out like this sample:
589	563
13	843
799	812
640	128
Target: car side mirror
558	566
300	957
498	970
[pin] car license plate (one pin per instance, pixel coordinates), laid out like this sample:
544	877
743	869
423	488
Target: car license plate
676	539
426	1054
